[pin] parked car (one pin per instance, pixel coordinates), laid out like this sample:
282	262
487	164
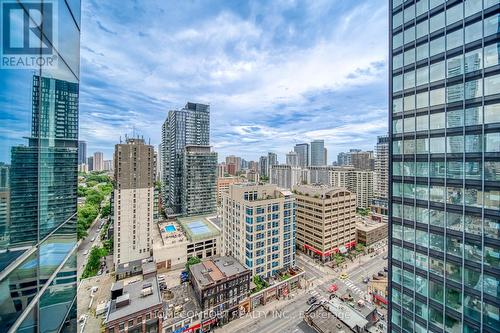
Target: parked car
381	273
86	252
386	269
366	279
311	300
386	257
93	239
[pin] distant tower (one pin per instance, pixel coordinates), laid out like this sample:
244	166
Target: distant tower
133	200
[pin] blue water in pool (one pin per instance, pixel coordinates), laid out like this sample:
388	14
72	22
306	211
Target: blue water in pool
170	228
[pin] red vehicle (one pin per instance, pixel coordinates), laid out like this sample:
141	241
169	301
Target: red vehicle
333	288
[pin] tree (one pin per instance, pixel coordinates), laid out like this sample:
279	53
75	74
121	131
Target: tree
106	210
192	261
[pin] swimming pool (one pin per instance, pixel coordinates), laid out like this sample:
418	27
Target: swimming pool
170	228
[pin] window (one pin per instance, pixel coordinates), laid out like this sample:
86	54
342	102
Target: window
454	118
409	57
436	22
437	71
473	61
492	113
436	46
454	66
409	124
409	80
409	35
437	97
422	51
397	83
492	142
491	25
409	103
397	105
454	39
473	116
437	120
473	32
491	55
437	145
454	14
422	100
455	93
492	85
397	61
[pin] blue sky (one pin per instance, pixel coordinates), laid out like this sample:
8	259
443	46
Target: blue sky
275	73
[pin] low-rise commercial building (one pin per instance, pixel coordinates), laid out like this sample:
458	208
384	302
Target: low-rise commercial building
135	306
326	220
369	232
220	286
175	241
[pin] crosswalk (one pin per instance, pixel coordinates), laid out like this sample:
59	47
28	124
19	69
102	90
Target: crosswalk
355	289
318	296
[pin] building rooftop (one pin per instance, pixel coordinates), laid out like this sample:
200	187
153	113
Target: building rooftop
214	270
352	318
179	303
366	225
319	190
198	227
326	321
137	295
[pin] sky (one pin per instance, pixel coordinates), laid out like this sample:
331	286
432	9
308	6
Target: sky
275	73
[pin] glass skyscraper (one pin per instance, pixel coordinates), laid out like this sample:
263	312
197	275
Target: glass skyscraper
38	170
189	126
444	193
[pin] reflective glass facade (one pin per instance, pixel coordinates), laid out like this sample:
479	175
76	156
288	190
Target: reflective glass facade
444	166
38	173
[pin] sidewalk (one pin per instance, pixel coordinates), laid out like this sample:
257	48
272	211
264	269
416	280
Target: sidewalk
259	312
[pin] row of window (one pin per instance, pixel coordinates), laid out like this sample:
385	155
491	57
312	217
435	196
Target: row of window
487	282
452	93
454	195
471	224
457	144
449	169
451	67
468	34
450	119
453	14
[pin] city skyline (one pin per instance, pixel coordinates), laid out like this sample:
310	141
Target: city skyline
344	105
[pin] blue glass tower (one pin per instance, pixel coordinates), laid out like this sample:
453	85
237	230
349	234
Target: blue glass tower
444	193
38	175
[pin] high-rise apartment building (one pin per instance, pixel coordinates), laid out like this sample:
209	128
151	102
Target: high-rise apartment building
263	169
285	176
444	180
235	161
189	126
302	150
199	178
258	223
356	181
98	161
82	152
381	167
326	220
362	160
38	172
272	159
318	153
133	201
90	163
325	155
292	159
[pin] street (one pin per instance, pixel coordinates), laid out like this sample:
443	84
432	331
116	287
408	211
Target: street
86	244
287	315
